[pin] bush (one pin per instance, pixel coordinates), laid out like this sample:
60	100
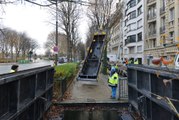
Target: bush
65	71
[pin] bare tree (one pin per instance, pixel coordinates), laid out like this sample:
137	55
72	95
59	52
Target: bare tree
81	50
50	43
100	14
68	16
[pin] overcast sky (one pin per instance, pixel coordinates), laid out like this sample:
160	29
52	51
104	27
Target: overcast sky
34	21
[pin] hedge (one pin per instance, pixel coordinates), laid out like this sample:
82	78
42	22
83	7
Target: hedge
65	71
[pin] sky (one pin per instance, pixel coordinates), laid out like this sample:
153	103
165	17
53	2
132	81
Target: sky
34	20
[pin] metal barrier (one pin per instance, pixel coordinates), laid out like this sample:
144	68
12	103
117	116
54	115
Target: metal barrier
153	92
26	95
62	85
123	88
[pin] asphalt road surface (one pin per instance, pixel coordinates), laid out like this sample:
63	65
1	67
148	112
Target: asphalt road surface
5	68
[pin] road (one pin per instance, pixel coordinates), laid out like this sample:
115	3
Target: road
5	68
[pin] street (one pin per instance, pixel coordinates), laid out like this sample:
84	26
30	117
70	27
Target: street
5	68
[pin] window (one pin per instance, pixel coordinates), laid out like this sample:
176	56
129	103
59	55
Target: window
131	38
171	14
163	3
131	50
152	28
139	36
152	12
171	36
139	23
131	15
163	21
139	48
139	11
131	27
154	43
131	4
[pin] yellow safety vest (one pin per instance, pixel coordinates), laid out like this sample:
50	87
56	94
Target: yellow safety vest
130	61
112	81
136	62
12	71
116	67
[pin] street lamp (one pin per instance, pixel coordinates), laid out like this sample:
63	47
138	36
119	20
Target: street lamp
56	55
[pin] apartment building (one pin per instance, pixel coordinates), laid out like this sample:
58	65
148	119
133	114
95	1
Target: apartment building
133	38
161	28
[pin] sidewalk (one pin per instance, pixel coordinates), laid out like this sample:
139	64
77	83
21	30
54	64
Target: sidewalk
91	92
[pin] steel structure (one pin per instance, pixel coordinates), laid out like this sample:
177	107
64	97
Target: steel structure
26	95
153	92
91	66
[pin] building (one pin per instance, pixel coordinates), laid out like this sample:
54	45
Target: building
62	38
114	45
161	28
133	37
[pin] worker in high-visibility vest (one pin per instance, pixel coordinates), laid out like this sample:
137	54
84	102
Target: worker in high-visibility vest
117	68
113	83
14	68
136	61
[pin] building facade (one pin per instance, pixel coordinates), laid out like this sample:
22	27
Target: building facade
133	37
62	40
161	29
114	50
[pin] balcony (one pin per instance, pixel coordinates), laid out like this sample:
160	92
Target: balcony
129	41
152	33
162	10
150	1
162	29
171	2
151	16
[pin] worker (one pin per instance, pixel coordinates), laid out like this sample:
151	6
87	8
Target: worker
116	67
126	61
113	82
136	61
112	70
130	61
14	68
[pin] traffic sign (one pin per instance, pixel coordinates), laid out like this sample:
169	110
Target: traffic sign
55	50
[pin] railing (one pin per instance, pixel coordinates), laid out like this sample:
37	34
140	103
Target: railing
61	85
129	41
152	33
26	95
162	29
151	16
149	1
154	91
123	88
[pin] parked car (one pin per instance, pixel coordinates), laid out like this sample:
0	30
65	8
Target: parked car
60	60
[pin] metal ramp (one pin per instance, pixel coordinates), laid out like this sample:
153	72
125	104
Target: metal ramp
91	66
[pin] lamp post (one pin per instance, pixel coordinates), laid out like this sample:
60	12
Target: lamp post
56	38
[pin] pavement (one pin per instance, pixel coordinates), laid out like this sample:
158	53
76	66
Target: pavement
91	92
